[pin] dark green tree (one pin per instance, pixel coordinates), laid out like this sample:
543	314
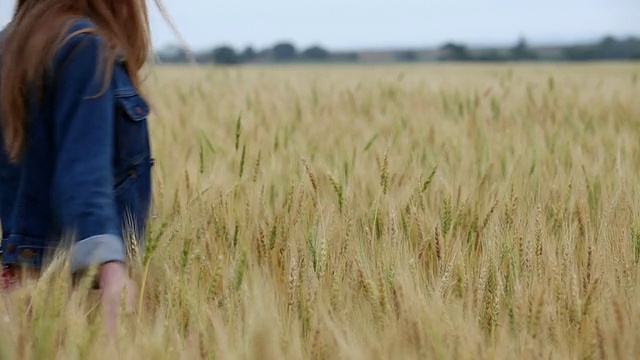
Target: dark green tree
522	52
454	52
284	52
225	55
248	54
315	53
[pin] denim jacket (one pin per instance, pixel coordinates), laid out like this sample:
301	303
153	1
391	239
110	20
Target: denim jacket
83	182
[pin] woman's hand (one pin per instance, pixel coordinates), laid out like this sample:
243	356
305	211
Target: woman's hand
113	281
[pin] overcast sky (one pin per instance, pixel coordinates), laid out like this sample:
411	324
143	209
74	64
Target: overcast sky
344	24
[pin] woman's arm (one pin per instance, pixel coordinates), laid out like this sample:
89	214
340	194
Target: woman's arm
83	123
82	193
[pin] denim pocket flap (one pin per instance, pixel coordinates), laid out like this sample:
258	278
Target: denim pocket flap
135	106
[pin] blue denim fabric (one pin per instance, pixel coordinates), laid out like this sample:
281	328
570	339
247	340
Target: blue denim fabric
83	182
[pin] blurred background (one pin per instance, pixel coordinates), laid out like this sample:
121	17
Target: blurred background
251	31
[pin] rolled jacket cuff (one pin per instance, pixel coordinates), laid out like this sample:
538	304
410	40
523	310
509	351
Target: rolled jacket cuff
97	250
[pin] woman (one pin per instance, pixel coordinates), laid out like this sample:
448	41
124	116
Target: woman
76	167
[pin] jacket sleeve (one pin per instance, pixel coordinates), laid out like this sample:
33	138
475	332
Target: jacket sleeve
83	126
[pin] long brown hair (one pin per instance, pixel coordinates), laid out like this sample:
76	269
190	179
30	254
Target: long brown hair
37	32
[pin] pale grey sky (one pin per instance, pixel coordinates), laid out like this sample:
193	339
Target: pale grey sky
344	24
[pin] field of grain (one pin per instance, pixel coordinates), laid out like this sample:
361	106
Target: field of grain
416	212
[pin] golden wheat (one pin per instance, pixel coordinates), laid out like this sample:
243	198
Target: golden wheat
467	212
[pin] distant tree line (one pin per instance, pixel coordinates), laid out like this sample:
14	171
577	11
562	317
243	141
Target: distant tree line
609	48
459	52
279	53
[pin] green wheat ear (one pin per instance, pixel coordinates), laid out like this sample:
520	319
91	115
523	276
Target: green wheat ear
238	130
337	187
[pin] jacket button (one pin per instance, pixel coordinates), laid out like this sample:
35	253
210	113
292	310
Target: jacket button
11	248
28	253
138	110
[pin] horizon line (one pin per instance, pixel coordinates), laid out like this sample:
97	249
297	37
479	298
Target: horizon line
487	44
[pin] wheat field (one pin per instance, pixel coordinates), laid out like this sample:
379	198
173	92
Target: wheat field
374	212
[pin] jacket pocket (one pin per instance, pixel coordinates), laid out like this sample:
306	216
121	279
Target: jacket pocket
131	133
123	184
